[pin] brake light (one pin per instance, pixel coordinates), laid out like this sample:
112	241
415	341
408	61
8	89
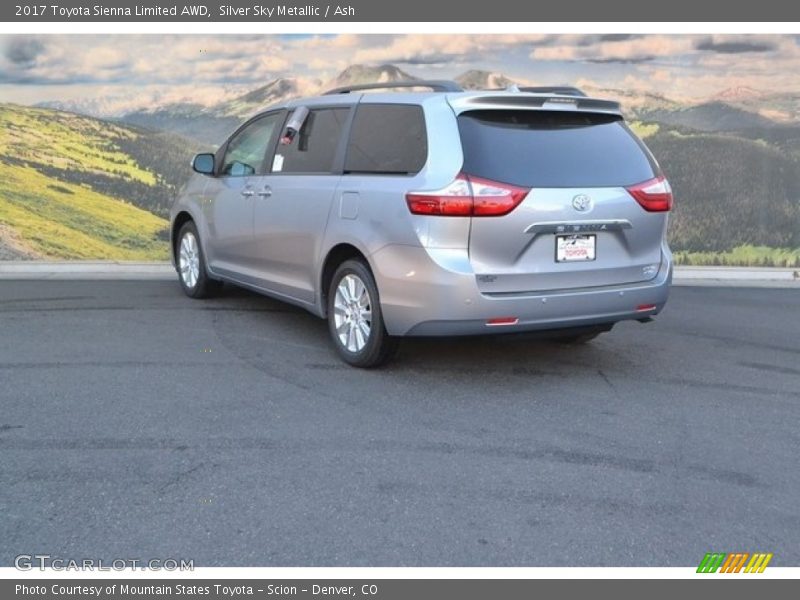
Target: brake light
467	196
654	195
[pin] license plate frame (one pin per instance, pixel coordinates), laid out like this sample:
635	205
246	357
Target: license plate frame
576	247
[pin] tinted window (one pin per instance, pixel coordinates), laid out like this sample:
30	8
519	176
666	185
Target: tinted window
313	149
387	138
245	152
552	149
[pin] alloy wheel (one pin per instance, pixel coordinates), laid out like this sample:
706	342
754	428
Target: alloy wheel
352	313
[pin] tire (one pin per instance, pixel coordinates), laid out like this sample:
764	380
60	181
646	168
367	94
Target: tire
355	320
191	264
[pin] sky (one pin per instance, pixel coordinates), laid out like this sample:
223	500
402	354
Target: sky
207	68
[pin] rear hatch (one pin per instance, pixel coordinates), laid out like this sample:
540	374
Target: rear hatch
585	218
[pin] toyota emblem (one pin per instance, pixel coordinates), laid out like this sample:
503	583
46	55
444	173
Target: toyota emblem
581	203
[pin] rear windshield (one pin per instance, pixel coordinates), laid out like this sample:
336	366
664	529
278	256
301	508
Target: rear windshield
535	148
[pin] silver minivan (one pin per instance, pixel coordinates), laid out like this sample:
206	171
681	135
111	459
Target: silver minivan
433	213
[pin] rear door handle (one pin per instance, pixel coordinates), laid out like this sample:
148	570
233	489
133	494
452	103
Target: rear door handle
247	192
266	192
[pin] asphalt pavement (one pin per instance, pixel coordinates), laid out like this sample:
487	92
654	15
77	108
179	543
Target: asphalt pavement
137	423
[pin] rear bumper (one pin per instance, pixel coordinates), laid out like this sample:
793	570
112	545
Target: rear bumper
434	293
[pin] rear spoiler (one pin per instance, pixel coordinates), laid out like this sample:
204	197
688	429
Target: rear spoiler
517	100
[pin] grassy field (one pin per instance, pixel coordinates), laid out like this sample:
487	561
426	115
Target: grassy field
65	220
67	217
644	130
68	141
743	256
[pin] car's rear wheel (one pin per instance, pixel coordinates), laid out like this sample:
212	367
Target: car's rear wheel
355	320
191	263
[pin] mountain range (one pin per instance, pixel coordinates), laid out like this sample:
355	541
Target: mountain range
732	109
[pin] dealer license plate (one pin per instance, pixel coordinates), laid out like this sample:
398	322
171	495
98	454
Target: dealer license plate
575	247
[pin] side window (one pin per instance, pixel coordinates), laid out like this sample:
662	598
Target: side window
245	153
313	149
387	138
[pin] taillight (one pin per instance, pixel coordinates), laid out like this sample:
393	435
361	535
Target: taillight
654	195
467	196
454	200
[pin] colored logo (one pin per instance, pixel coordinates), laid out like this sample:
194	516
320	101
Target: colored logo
735	562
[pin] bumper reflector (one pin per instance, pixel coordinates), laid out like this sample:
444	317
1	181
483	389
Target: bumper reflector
502	321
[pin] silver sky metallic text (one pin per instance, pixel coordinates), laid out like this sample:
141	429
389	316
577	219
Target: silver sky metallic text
260	11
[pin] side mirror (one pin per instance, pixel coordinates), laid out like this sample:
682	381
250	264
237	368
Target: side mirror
203	163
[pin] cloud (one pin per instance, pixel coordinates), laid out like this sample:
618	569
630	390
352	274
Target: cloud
436	48
623	61
733	47
614	49
661	75
617	37
23	50
344	40
143	59
112	58
672	65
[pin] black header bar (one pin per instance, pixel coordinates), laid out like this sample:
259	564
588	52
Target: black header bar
255	11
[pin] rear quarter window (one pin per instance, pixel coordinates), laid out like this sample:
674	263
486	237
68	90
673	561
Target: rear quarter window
536	148
387	139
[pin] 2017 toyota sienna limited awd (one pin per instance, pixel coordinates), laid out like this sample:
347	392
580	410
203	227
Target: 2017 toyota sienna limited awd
433	213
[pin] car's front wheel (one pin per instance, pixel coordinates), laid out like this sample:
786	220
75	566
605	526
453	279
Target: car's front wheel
355	319
191	263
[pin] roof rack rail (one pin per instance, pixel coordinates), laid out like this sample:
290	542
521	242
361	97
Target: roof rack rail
563	90
437	85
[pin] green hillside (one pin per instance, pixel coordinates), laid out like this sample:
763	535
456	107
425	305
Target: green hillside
730	193
77	187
